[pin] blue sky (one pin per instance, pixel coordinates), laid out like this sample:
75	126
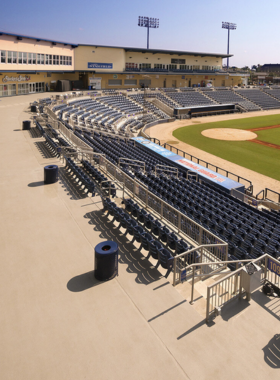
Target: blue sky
183	25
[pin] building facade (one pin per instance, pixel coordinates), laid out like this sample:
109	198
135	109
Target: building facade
30	64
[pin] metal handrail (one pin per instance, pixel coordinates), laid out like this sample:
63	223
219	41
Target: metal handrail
166	168
265	193
265	257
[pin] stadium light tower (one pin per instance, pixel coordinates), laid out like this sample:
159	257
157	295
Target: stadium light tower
229	26
148	22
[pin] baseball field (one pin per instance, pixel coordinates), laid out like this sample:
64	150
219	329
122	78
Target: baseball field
261	154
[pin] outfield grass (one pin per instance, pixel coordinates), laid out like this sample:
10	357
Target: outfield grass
269	135
253	156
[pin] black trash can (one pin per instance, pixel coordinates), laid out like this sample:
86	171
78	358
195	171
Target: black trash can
26	125
33	109
106	260
50	174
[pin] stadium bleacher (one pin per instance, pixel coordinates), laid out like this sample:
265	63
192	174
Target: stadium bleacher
249	232
261	98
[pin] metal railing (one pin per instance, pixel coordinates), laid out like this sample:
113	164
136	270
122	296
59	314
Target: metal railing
230	287
270	195
208	165
205	259
168	169
179	221
130	162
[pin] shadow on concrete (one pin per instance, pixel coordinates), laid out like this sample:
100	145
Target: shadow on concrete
34	133
166	311
36	184
82	282
197	326
161	286
43	149
270	304
272	352
18	130
70	185
129	254
233	308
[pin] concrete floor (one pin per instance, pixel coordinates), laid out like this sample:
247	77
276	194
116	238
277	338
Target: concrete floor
58	322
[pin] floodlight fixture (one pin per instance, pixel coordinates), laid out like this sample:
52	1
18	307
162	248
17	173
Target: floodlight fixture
148	22
229	26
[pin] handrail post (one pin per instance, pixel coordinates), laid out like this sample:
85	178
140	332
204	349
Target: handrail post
240	288
265	268
174	270
207	304
192	287
201	254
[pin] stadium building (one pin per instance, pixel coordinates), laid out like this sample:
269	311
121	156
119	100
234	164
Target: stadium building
33	64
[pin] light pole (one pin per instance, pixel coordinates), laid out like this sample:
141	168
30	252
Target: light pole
145	103
148	22
229	26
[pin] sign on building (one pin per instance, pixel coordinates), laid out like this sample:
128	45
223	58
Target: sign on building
97	65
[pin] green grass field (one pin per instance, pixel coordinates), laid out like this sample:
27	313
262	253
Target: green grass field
253	156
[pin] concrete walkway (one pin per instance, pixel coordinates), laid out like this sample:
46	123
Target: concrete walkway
57	322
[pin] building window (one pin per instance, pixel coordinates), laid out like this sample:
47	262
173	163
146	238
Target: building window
32	58
114	82
12	57
145	65
22	58
180	61
70	61
145	82
8	89
40	59
196	67
206	68
131	65
64	60
184	67
55	59
159	66
3	56
130	82
23	88
172	67
48	59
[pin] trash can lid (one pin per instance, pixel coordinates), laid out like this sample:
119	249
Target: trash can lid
106	247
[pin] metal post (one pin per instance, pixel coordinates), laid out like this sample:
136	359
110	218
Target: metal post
174	272
148	37
192	286
207	304
228	50
265	268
